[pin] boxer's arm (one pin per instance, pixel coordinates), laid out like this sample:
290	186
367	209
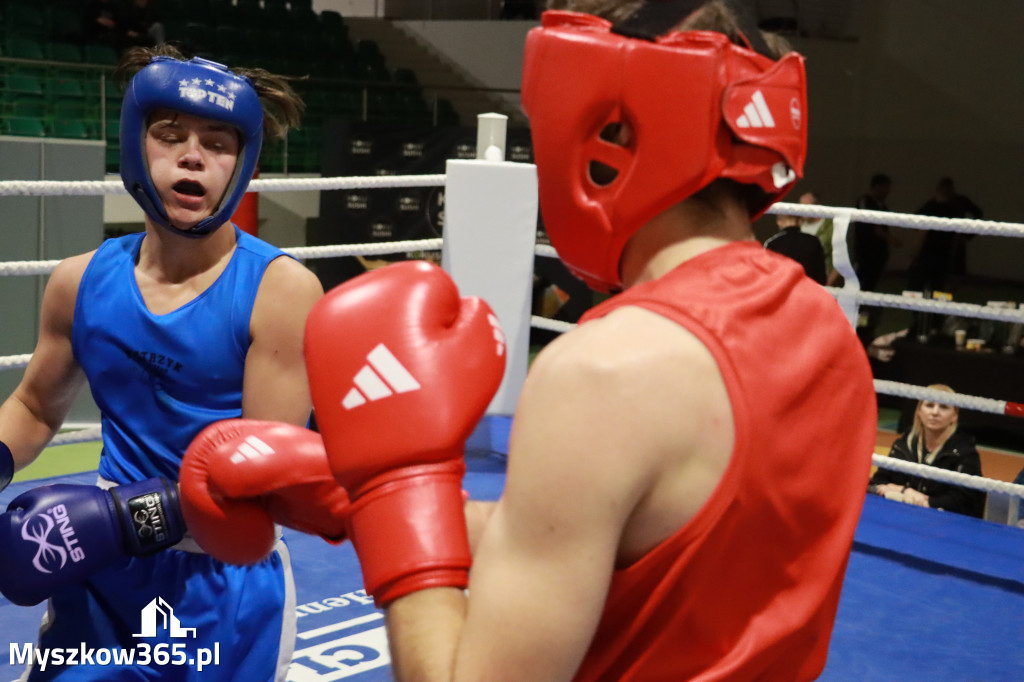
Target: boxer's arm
542	570
478	514
275	386
34	412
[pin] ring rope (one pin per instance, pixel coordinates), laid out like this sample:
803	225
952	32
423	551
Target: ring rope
549	324
45	267
968	402
15	361
545	250
87	435
375	249
89	188
917	222
978	404
105	187
94	433
927	305
96	188
892	388
946	476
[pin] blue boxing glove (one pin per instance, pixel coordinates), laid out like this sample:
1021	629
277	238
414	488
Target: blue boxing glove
58	535
6	465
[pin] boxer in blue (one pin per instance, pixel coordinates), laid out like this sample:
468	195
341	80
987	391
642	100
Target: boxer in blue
190	322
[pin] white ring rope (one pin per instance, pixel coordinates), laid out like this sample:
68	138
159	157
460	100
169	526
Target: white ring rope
111	187
550	325
94	433
946	476
545	250
375	249
87	435
927	305
968	402
92	188
15	361
881	386
369	182
45	267
917	222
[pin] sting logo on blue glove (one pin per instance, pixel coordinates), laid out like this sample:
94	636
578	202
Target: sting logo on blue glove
50	557
149	519
66	533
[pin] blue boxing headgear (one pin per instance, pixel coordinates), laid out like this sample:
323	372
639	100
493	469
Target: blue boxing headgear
198	87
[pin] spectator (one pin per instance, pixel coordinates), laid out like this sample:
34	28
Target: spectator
935	441
822	229
805	249
141	25
100	22
870	241
870	255
942	253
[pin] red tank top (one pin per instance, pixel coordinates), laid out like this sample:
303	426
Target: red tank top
748	588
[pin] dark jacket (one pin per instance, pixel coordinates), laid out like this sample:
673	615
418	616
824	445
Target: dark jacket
958	453
805	249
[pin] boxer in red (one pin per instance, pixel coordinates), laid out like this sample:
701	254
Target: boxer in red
687	467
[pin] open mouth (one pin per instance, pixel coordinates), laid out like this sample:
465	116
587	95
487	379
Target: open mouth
189	188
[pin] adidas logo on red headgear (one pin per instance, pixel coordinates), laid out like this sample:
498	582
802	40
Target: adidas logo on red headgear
756	114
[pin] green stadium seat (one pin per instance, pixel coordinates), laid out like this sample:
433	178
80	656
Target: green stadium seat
22	47
23	83
71	128
23	127
28	107
346	103
59	89
272	157
64	52
99	54
69	109
113	158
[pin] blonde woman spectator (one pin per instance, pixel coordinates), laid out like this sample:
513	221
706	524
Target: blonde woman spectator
935	441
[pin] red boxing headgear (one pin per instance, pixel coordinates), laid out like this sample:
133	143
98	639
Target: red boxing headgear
699	108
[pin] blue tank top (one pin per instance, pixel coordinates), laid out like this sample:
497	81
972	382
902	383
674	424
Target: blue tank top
160	379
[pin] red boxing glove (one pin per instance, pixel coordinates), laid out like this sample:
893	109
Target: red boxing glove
240	476
401	369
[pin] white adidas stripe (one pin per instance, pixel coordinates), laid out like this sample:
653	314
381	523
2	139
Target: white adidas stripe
756	114
389	378
392	370
372	386
251	448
